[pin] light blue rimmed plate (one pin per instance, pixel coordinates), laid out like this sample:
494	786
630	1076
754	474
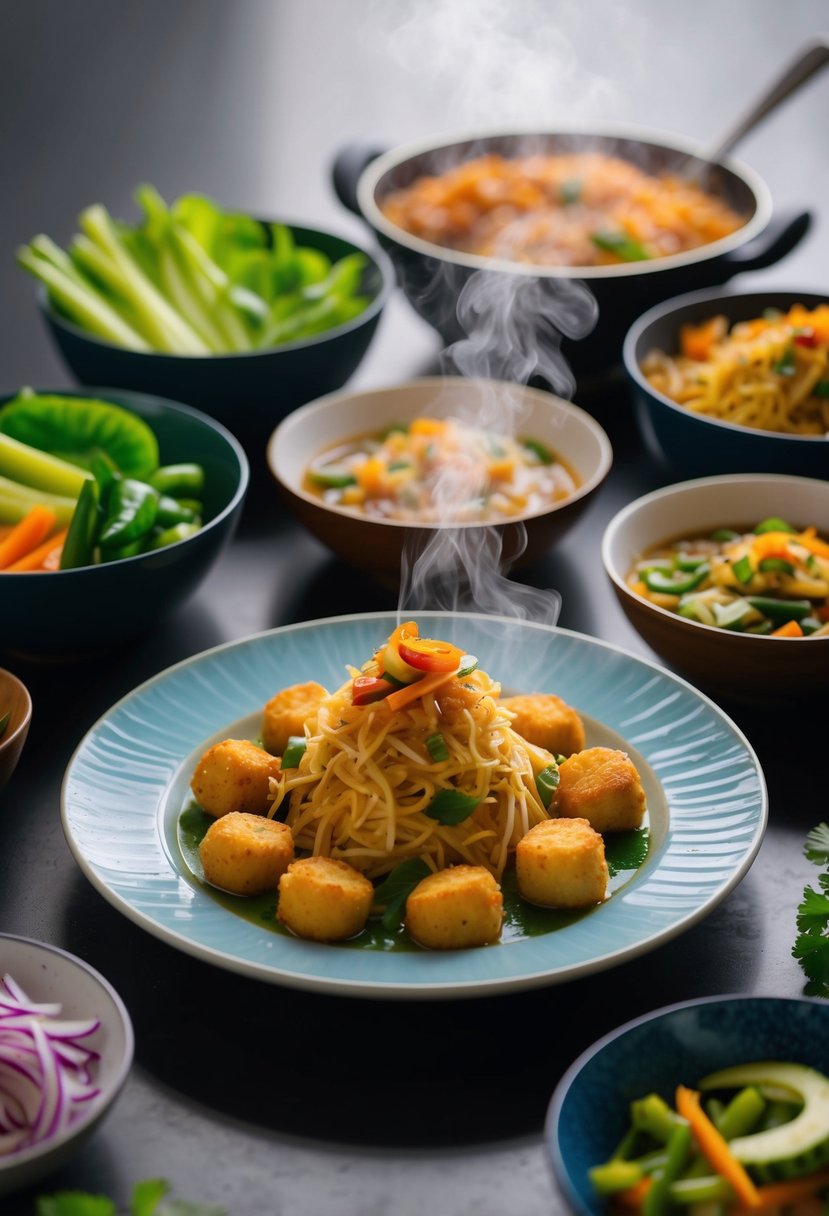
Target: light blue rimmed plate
707	802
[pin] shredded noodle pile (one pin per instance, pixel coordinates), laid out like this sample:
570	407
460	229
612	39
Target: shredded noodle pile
771	373
366	780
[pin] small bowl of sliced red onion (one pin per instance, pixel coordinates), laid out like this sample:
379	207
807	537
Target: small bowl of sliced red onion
66	1046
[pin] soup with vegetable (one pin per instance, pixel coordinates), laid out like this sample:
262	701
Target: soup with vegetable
441	470
771	579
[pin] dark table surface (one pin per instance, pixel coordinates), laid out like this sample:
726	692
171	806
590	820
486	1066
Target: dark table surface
321	1107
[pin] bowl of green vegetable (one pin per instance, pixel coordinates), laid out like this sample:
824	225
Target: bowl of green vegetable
721	1101
241	318
113	508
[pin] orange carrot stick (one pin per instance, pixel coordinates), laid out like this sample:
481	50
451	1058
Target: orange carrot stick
779	1194
35	558
714	1147
791	629
634	1196
27	535
412	692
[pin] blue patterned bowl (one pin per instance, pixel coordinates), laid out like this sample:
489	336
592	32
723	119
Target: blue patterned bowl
589	1112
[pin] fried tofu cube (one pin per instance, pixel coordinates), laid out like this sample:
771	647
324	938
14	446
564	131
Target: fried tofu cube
246	854
560	863
602	786
455	908
547	721
324	899
234	775
287	712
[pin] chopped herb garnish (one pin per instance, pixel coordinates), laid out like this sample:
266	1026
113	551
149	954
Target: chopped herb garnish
436	747
743	569
811	948
393	892
773	524
294	751
546	783
451	806
539	450
625	247
785	365
725	534
468	665
332	479
570	191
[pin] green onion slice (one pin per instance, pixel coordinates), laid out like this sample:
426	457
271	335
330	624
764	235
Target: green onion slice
723	535
625	247
677	583
546	783
773	524
294	751
775	565
468	665
780	611
729	615
451	806
539	450
743	569
436	746
332	479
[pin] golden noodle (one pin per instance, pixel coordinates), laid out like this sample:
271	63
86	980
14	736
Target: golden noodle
364	784
770	373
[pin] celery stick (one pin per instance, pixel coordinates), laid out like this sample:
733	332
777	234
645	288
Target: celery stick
170	332
17	500
40	470
213	286
81	304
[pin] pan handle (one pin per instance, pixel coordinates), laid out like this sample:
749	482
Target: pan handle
347	170
779	238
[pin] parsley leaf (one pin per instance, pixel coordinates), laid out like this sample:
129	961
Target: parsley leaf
811	948
817	845
148	1199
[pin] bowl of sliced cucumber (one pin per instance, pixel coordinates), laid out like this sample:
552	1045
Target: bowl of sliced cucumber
719	1101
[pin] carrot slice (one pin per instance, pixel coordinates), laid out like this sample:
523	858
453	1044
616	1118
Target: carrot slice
779	1194
35	559
790	630
33	528
714	1147
421	688
634	1196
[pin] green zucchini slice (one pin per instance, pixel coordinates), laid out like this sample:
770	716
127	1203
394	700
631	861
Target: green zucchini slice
793	1149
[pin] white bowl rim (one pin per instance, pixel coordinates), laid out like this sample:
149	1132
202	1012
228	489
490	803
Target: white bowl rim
553	1117
737	480
330	400
96	1108
713	296
177	407
25	721
388	160
372	310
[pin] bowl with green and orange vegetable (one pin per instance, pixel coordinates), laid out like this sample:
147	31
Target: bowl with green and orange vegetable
721	1102
113	508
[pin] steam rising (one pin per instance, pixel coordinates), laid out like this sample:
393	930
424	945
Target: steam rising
495	62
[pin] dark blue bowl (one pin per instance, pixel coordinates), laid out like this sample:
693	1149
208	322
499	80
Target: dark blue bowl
696	446
679	1044
70	612
248	392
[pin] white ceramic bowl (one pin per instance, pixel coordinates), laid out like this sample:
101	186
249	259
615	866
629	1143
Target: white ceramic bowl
46	973
377	545
735	665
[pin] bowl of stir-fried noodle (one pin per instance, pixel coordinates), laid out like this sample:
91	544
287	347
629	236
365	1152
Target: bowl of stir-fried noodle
581	229
734	383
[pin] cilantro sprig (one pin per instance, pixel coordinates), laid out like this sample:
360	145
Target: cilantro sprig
811	948
149	1198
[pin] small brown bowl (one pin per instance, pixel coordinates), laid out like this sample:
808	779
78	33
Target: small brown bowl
737	666
14	700
378	546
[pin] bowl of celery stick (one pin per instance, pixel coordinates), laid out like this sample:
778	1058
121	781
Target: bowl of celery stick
241	318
